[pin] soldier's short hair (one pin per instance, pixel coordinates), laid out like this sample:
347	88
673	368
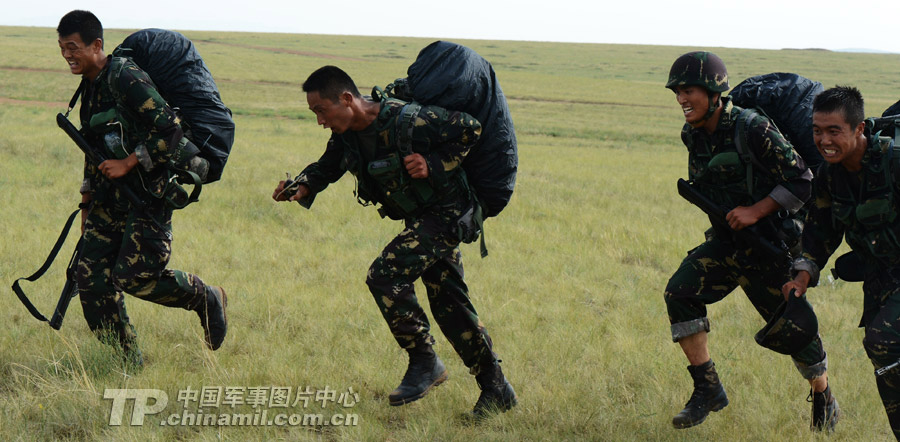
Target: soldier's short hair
846	99
330	82
85	23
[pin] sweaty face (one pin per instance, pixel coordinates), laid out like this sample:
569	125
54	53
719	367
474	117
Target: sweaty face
694	103
331	115
836	140
81	57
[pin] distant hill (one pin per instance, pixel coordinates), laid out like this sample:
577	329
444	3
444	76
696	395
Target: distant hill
868	51
857	50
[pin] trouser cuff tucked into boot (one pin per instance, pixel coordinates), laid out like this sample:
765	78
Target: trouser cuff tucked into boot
425	371
681	330
497	393
213	318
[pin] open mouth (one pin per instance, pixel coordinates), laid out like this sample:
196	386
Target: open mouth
687	110
829	152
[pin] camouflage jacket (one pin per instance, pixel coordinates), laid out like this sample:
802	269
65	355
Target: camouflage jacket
442	137
122	111
864	206
717	169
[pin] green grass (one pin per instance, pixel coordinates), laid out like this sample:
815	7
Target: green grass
571	292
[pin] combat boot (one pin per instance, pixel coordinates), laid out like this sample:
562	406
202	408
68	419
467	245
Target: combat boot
496	392
708	396
825	410
213	318
134	359
425	372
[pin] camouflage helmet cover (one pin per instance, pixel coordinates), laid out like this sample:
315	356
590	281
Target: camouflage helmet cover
791	328
699	68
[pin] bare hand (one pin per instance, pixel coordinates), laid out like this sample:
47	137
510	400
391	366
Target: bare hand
293	193
742	216
302	192
416	166
113	169
799	284
279	194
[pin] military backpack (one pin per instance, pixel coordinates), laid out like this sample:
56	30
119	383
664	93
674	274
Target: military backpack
787	100
455	77
185	82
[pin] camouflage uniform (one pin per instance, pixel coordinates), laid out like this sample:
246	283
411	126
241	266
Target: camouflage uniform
864	207
428	248
718	266
126	249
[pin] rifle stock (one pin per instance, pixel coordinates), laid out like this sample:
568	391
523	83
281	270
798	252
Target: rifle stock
750	236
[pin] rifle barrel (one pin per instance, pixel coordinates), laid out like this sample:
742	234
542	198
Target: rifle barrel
750	235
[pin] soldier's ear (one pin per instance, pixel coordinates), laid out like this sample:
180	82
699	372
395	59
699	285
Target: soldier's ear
345	98
96	45
860	128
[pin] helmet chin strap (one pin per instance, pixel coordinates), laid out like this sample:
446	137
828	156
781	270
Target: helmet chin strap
713	105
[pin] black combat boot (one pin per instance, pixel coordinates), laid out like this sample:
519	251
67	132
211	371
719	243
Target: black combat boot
213	318
496	392
708	396
425	371
825	410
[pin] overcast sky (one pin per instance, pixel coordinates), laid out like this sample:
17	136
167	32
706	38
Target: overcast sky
765	24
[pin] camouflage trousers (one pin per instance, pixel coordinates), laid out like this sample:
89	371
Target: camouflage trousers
712	271
126	251
428	248
882	341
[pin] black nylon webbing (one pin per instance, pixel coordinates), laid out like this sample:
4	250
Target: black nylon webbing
40	272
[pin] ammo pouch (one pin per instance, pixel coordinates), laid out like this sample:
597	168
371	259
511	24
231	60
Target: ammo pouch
871	218
877	223
182	169
404	197
402	194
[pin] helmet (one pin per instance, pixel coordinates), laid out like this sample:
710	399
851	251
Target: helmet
699	68
791	328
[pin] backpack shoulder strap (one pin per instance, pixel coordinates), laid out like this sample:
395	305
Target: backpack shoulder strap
113	72
404	129
742	142
742	138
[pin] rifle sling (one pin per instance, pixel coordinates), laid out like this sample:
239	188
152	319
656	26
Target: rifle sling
40	272
75	97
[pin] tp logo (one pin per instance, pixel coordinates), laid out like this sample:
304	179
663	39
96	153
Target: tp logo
141	408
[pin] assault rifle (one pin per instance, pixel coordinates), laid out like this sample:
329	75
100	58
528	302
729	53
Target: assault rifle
70	289
750	236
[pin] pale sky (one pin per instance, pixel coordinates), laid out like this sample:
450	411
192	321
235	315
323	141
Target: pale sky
764	24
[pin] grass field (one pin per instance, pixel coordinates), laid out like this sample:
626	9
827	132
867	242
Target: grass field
571	292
